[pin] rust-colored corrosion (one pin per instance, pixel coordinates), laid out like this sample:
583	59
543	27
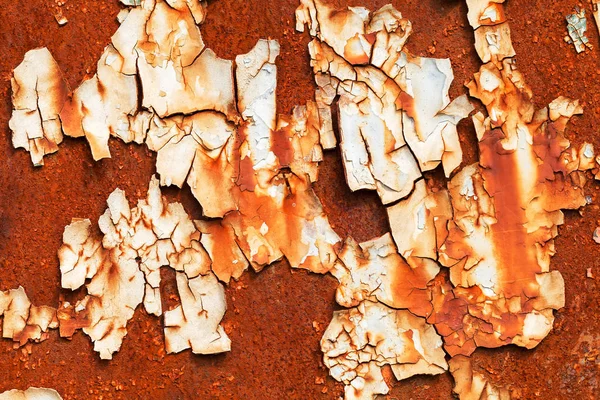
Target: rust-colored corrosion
269	301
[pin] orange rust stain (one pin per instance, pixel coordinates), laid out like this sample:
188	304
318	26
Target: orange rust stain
246	178
71	321
514	250
371	37
549	147
409	289
101	88
281	145
354	53
407	103
224	257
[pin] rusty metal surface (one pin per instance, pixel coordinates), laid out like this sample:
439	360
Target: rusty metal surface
275	318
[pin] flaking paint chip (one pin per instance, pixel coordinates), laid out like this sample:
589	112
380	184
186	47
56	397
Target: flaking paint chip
359	341
596	235
61	20
38	94
122	271
396	119
23	322
576	28
195	323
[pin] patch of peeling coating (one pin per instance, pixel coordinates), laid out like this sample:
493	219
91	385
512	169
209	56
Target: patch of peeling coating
505	213
195	323
501	290
360	341
157	55
472	385
395	116
123	270
105	104
32	393
38	94
23	322
576	28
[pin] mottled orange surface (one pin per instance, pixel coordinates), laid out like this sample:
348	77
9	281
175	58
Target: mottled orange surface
275	318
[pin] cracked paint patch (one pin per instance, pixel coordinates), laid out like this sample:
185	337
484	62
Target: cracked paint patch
396	121
360	341
395	116
576	28
506	211
122	269
38	94
23	322
196	323
158	55
222	136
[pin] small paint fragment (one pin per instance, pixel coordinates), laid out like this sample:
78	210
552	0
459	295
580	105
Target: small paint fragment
22	321
596	13
589	274
60	18
596	235
576	27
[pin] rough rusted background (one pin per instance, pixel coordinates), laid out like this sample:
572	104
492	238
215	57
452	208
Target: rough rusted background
276	318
